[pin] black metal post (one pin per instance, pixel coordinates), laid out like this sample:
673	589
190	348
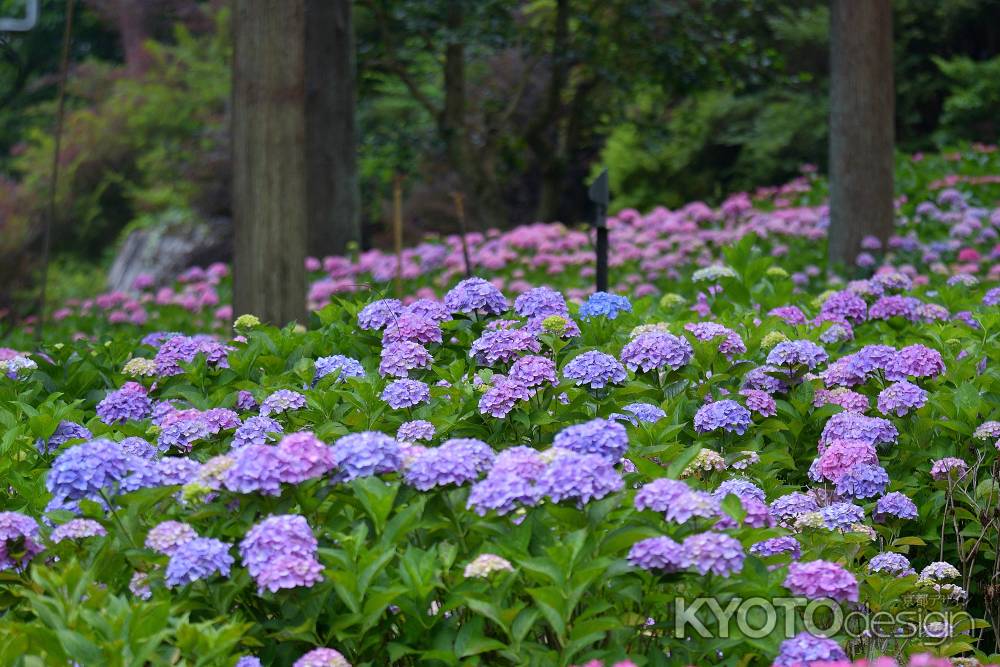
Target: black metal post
600	195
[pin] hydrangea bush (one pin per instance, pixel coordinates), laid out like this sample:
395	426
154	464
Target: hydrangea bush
509	469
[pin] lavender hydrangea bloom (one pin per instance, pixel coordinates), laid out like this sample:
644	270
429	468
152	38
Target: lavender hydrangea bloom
891	563
845	305
727	415
18	540
901	398
65	432
257	469
741	488
603	437
413	328
644	412
992	297
77	529
283	400
302	456
806	649
339	365
378	314
863	481
418	429
455	462
603	304
284	571
595	369
791	505
503	345
895	504
714	552
541	302
841	455
914	361
284	534
501	398
988	430
656	350
660	554
840	516
579	477
533	371
763	378
365	454
183	433
130	403
475	295
175	470
949	467
406	393
692	504
797	353
895	305
760	402
167	536
184	349
87	470
256	430
660	494
817	579
507	487
855	426
248	661
705	331
198	559
429	309
792	315
398	359
322	657
777	545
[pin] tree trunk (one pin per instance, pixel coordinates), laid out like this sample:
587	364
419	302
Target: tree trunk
331	145
546	135
861	125
270	208
133	29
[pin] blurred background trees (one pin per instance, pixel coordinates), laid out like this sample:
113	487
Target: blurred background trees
512	104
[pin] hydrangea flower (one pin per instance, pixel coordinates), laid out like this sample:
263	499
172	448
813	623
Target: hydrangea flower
891	563
713	273
398	359
541	302
792	315
283	400
807	649
339	365
796	353
533	371
18	540
726	414
760	402
741	488
167	536
793	504
378	314
940	571
656	350
365	454
412	431
503	345
901	398
429	309
914	361
64	432
130	403
863	481
896	505
256	469
182	433
691	505
595	369
645	412
818	579
256	430
87	470
413	328
302	456
660	554
77	529
322	657
198	559
277	535
841	516
988	430
851	401
406	393
580	477
603	304
456	462
184	349
475	295
486	564
706	331
777	545
714	552
856	426
660	494
285	571
842	455
706	460
499	399
603	437
949	467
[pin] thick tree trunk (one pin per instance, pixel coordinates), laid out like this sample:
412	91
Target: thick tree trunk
269	159
133	29
861	125
332	188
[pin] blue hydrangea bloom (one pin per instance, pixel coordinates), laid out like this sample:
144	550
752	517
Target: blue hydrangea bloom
603	304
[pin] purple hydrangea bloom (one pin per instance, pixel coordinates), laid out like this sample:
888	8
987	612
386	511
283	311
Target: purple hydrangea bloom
714	552
741	488
603	304
302	456
692	504
248	661
763	378
855	426
378	314
841	455
398	359
595	369
792	315
175	470
988	430
501	398
322	657
603	437
656	350
797	353
406	393
339	365
895	305
456	461
659	554
429	309
256	430
818	579
125	404
901	398
413	328
863	481
77	529
850	400
992	297
283	400
198	559
65	432
660	494
166	537
806	649
365	454
18	540
579	477
706	331
504	489
279	535
475	295
220	419
87	470
791	505
760	402
845	305
840	516
914	361
503	345
777	545
533	371
727	415
181	434
949	467
895	504
541	302
645	412
256	469
418	429
285	571
891	563
184	349
158	338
